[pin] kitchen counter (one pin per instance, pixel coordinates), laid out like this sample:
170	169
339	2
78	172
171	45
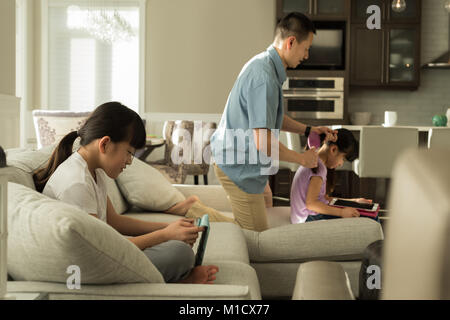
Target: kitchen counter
423	131
358	128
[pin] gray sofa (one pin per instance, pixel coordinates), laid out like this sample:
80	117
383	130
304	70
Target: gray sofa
253	265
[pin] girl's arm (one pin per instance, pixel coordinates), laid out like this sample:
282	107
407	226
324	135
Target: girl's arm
360	200
148	234
130	226
182	230
312	199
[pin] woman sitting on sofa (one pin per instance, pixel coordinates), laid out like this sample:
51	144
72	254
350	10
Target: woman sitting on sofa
109	139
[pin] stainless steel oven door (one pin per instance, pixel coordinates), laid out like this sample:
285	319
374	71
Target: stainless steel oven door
314	84
314	105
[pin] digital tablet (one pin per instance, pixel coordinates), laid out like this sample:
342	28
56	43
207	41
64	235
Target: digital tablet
370	207
202	222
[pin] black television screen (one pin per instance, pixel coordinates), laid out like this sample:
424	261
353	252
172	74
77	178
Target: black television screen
328	47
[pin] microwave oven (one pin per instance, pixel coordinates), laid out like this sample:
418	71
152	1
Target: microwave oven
327	51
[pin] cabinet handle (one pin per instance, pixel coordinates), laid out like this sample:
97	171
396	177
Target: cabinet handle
383	56
312	10
388	55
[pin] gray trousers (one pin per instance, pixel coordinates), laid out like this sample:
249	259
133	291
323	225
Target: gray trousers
174	259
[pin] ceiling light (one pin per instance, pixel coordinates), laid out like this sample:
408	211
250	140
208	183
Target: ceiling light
398	5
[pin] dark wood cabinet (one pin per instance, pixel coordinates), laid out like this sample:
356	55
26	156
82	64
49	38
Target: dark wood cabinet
367	54
410	15
388	57
280	184
315	9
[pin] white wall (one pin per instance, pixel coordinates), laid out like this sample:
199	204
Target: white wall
196	49
433	95
8	50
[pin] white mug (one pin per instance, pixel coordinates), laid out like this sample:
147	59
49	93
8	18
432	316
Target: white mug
390	118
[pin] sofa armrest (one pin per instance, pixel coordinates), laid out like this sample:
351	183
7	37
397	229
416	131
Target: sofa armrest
134	291
322	280
213	196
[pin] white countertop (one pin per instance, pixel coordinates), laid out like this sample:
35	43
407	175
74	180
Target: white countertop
358	128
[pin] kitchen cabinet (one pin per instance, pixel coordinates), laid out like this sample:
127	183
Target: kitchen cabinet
388	57
315	9
410	15
280	184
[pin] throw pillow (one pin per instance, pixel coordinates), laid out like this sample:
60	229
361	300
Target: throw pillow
145	187
28	161
47	237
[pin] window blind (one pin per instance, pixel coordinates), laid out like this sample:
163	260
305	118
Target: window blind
84	70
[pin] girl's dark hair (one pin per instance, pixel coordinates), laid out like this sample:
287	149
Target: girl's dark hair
294	24
111	119
347	144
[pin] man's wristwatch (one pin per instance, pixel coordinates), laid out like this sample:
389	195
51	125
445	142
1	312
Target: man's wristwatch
308	129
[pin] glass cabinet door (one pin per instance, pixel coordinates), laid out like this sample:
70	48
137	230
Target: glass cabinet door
302	6
411	12
402	55
330	7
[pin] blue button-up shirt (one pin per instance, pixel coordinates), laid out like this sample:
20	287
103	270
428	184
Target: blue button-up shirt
256	101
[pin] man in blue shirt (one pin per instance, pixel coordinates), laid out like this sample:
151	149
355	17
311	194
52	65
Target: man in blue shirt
245	146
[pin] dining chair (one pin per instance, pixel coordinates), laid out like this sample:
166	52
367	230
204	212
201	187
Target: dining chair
190	141
292	142
379	147
52	125
439	137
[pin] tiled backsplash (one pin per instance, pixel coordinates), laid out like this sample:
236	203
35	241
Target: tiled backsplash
413	107
433	95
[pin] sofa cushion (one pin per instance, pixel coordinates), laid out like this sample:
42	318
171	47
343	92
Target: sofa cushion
337	239
118	201
145	187
226	242
47	236
17	175
28	160
23	162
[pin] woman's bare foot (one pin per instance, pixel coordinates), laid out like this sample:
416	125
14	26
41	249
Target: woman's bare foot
181	208
202	275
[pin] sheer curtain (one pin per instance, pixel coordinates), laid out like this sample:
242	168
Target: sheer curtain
84	69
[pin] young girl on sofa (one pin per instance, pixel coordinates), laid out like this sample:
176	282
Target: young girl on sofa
309	200
109	139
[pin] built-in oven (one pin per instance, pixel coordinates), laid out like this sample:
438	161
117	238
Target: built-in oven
314	98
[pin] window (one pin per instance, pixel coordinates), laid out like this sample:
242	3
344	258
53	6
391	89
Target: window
95	54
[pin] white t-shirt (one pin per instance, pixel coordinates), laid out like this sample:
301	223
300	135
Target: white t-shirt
73	183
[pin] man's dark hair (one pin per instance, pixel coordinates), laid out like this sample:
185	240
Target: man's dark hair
294	24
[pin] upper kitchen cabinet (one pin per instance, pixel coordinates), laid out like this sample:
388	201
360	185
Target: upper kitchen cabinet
411	14
315	9
388	57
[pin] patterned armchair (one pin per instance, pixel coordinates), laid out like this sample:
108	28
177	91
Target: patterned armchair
186	144
52	125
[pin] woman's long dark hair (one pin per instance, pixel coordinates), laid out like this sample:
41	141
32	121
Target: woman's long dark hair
347	144
111	119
